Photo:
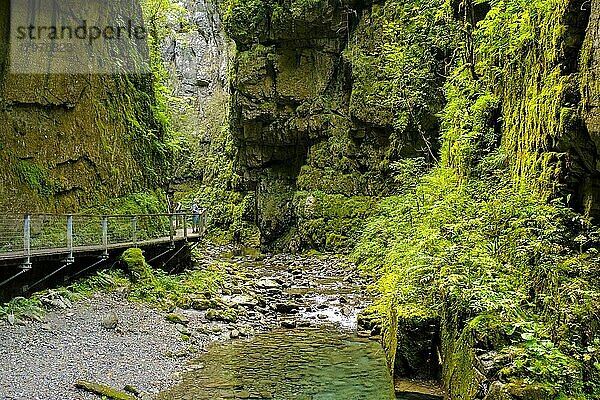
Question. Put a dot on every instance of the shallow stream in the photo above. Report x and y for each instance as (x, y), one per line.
(321, 363)
(321, 359)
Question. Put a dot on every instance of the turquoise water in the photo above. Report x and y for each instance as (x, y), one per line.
(301, 364)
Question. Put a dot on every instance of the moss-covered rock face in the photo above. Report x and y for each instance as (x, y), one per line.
(527, 85)
(69, 141)
(331, 222)
(304, 106)
(590, 89)
(73, 140)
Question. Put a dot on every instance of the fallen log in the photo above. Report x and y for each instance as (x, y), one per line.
(103, 390)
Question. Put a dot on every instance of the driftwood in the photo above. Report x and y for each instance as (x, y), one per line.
(103, 390)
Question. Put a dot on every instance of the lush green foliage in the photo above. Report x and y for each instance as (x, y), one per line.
(399, 65)
(520, 271)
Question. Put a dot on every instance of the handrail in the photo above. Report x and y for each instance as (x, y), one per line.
(24, 236)
(15, 215)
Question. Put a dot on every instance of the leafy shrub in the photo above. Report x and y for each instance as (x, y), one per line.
(481, 248)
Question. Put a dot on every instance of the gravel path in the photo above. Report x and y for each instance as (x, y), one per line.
(42, 361)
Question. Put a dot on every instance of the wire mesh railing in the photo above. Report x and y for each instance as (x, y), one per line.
(11, 234)
(35, 234)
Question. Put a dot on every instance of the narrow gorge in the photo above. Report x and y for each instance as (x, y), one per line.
(445, 152)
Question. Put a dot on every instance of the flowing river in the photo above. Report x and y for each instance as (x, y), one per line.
(318, 356)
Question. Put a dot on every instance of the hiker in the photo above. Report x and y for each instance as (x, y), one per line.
(195, 216)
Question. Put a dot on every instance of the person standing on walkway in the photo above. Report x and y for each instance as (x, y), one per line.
(195, 216)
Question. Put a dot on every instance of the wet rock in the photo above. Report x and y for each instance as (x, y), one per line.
(293, 377)
(244, 300)
(234, 334)
(368, 319)
(288, 323)
(246, 331)
(244, 394)
(286, 308)
(228, 315)
(274, 292)
(265, 283)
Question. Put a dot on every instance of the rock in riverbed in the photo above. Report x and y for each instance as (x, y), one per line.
(110, 321)
(177, 319)
(266, 283)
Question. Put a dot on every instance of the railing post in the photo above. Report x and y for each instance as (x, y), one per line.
(185, 233)
(134, 230)
(105, 236)
(27, 241)
(70, 259)
(172, 229)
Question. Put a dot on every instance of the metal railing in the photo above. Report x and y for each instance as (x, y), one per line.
(40, 234)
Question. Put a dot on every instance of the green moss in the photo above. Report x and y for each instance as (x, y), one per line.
(103, 390)
(36, 178)
(514, 81)
(136, 265)
(167, 291)
(330, 222)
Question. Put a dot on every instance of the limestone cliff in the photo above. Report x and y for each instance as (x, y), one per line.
(73, 140)
(313, 138)
(194, 53)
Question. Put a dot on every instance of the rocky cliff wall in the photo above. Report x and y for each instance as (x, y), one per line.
(315, 129)
(590, 93)
(69, 141)
(195, 56)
